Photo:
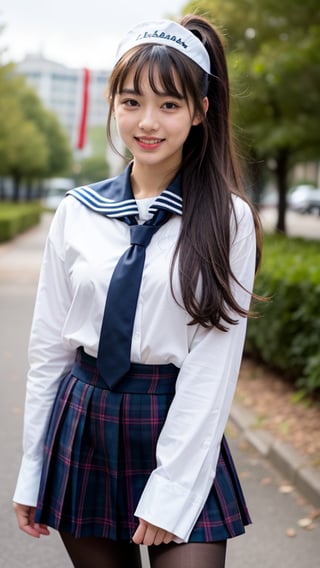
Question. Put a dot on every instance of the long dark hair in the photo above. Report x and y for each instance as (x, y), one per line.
(210, 173)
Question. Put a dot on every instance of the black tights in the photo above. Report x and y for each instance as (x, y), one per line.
(94, 552)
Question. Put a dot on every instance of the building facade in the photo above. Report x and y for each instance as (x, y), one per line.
(77, 96)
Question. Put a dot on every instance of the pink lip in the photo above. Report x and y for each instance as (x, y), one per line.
(148, 143)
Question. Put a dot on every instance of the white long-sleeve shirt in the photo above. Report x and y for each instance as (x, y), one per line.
(82, 250)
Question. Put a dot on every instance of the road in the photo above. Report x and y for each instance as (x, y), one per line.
(275, 508)
(297, 225)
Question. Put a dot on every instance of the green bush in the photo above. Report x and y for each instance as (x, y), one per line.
(286, 334)
(17, 217)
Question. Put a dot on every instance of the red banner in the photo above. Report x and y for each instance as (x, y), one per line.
(84, 110)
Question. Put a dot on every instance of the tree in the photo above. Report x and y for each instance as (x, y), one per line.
(59, 151)
(33, 144)
(91, 169)
(23, 148)
(274, 62)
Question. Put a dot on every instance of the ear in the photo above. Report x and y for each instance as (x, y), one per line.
(198, 118)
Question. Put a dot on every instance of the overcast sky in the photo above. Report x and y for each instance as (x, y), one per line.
(78, 34)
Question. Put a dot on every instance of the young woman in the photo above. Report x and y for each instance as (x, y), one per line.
(140, 321)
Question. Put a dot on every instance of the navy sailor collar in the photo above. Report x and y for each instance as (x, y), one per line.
(114, 197)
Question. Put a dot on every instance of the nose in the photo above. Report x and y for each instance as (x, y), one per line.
(148, 120)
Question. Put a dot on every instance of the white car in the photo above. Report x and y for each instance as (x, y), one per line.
(304, 199)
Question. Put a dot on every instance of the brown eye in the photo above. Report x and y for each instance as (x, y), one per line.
(170, 105)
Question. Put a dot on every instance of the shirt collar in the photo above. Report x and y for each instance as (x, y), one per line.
(114, 197)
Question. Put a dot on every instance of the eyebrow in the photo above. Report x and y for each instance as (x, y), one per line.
(128, 91)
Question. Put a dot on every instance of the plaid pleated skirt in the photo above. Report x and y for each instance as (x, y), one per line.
(100, 450)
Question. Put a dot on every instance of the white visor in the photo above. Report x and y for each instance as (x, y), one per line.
(166, 32)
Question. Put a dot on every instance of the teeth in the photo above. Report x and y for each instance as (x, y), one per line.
(154, 141)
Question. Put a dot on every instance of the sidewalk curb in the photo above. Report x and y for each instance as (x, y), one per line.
(283, 456)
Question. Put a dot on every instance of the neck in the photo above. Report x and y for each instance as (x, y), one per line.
(148, 182)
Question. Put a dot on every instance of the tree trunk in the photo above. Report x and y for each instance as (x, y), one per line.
(28, 190)
(1, 188)
(16, 187)
(281, 173)
(39, 189)
(257, 168)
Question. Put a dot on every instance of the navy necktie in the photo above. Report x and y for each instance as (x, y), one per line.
(113, 359)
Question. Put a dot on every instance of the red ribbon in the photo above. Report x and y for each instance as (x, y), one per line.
(84, 110)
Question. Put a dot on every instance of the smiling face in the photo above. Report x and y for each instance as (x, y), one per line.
(152, 122)
(157, 95)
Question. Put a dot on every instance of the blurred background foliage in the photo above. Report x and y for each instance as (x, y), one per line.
(33, 144)
(274, 61)
(286, 333)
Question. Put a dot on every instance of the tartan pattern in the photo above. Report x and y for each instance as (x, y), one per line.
(100, 450)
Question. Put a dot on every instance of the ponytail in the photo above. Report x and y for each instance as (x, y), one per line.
(210, 176)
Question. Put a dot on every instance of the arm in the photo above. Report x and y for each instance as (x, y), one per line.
(189, 444)
(49, 361)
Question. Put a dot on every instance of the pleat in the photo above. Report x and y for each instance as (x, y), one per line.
(225, 513)
(235, 483)
(61, 474)
(100, 451)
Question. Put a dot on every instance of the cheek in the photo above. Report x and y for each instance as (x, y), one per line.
(123, 125)
(183, 128)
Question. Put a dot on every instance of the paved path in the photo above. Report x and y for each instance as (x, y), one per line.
(266, 544)
(307, 226)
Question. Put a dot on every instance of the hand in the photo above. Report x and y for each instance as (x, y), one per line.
(25, 517)
(149, 534)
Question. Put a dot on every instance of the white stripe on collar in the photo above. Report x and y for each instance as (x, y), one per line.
(111, 208)
(93, 200)
(167, 200)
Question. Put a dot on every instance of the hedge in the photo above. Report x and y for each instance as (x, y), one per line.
(286, 333)
(17, 217)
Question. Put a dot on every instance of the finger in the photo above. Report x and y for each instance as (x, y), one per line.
(169, 537)
(24, 524)
(159, 537)
(39, 527)
(139, 534)
(42, 529)
(150, 535)
(30, 531)
(25, 517)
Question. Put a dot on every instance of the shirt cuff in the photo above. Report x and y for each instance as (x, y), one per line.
(27, 488)
(168, 505)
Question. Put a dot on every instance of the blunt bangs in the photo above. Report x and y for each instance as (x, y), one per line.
(169, 72)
